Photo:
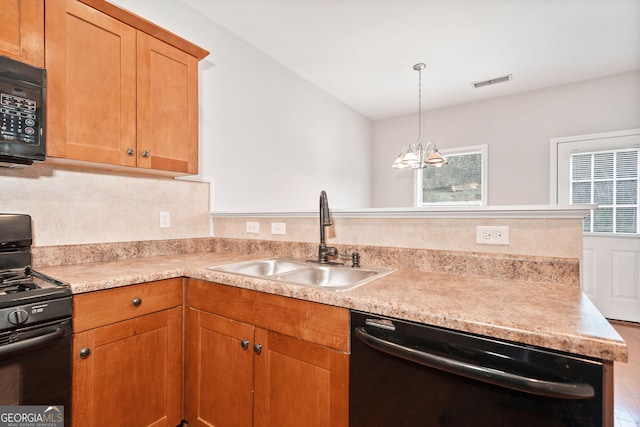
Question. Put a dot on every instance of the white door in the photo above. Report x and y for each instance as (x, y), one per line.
(603, 169)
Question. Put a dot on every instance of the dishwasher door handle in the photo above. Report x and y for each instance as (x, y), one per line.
(31, 343)
(489, 375)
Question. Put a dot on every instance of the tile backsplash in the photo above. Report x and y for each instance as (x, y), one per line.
(77, 207)
(541, 236)
(81, 216)
(550, 270)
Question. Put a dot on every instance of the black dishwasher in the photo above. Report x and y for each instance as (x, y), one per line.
(409, 374)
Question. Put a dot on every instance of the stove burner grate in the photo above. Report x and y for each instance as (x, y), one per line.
(12, 281)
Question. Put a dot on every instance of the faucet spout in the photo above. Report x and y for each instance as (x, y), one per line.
(325, 215)
(324, 251)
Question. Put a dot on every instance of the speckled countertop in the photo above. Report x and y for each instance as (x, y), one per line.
(546, 315)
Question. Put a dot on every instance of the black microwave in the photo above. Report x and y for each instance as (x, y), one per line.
(22, 113)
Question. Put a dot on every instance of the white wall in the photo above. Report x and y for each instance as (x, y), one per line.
(517, 129)
(269, 139)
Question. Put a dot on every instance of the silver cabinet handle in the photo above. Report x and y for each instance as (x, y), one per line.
(85, 352)
(145, 153)
(130, 152)
(244, 344)
(136, 302)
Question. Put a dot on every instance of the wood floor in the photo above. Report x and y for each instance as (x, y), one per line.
(627, 378)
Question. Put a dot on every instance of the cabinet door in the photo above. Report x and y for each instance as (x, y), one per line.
(132, 376)
(167, 107)
(22, 31)
(218, 371)
(91, 79)
(298, 383)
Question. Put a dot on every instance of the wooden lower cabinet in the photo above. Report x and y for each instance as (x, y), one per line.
(242, 370)
(298, 383)
(218, 371)
(127, 368)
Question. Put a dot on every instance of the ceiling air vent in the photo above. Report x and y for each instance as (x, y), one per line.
(492, 81)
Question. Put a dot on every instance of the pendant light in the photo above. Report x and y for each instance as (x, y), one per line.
(415, 155)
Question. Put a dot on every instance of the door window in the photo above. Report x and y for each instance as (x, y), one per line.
(610, 180)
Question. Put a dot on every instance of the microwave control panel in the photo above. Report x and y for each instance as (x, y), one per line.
(19, 118)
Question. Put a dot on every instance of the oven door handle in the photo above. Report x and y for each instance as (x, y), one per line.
(31, 343)
(494, 376)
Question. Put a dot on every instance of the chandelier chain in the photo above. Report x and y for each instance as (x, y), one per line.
(420, 104)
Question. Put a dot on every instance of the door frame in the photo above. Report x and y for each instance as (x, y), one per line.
(597, 275)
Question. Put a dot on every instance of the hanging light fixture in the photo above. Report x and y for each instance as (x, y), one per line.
(415, 155)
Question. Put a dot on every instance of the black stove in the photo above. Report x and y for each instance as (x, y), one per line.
(35, 328)
(34, 296)
(24, 285)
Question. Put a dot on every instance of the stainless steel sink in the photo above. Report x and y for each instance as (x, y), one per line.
(340, 278)
(262, 267)
(306, 273)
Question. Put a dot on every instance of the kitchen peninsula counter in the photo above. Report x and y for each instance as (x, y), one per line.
(547, 315)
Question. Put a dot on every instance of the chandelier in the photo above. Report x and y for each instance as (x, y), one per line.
(416, 155)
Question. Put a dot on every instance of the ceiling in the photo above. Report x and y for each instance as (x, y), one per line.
(362, 52)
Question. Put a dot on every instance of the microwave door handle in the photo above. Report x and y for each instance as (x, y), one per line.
(31, 343)
(489, 375)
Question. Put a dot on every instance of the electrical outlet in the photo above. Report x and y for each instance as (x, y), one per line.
(253, 227)
(278, 228)
(492, 234)
(165, 220)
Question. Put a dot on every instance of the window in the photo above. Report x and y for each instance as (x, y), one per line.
(462, 182)
(609, 179)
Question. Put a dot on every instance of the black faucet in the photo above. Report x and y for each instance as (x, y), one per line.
(324, 251)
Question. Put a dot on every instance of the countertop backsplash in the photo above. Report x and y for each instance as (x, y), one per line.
(535, 269)
(102, 252)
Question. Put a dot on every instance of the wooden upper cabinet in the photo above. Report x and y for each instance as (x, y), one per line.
(91, 75)
(116, 95)
(22, 31)
(167, 107)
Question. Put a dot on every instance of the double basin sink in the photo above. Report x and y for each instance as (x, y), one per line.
(306, 273)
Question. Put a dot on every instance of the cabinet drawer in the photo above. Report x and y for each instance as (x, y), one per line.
(95, 309)
(317, 323)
